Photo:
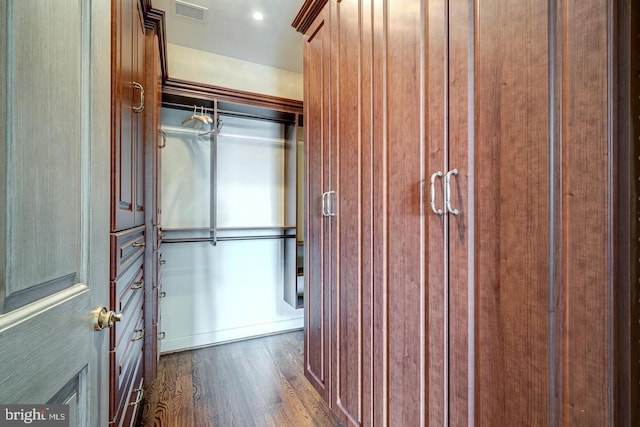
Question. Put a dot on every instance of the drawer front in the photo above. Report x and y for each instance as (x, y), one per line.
(125, 288)
(126, 247)
(126, 363)
(124, 408)
(130, 305)
(135, 402)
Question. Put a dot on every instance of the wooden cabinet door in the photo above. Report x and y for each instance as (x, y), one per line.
(352, 243)
(529, 293)
(317, 225)
(127, 185)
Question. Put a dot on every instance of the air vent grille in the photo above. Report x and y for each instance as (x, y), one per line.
(189, 10)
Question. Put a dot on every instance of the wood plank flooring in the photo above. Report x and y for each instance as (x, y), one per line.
(258, 382)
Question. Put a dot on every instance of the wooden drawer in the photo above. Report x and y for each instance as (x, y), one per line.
(130, 283)
(126, 363)
(127, 298)
(134, 404)
(124, 408)
(126, 247)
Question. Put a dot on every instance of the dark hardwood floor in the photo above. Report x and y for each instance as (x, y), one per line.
(258, 382)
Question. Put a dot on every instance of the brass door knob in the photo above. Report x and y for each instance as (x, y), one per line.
(103, 318)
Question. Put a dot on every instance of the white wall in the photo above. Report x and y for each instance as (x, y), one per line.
(204, 67)
(234, 290)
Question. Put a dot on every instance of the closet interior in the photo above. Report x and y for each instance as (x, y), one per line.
(229, 203)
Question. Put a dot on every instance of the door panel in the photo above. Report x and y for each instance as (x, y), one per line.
(351, 291)
(587, 193)
(436, 133)
(317, 294)
(403, 175)
(55, 107)
(508, 289)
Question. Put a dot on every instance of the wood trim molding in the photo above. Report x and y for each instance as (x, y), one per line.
(154, 20)
(201, 91)
(307, 14)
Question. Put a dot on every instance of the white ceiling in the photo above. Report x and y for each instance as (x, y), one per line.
(228, 29)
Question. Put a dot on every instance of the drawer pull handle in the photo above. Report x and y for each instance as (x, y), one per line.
(162, 262)
(162, 294)
(140, 107)
(164, 139)
(161, 335)
(138, 244)
(139, 395)
(139, 336)
(138, 284)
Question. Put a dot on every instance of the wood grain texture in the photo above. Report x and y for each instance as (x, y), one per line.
(404, 174)
(587, 195)
(316, 257)
(627, 395)
(348, 307)
(379, 227)
(152, 141)
(511, 271)
(435, 93)
(256, 382)
(367, 218)
(461, 230)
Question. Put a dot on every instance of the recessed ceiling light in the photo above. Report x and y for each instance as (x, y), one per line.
(258, 16)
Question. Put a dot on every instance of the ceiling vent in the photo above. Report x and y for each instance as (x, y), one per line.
(192, 11)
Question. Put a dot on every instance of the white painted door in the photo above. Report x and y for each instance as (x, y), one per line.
(54, 199)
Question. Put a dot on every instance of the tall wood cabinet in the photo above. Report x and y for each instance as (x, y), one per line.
(136, 91)
(460, 188)
(128, 237)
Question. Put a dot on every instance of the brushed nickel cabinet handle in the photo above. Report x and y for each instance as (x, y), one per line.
(432, 193)
(140, 107)
(162, 294)
(164, 139)
(447, 192)
(139, 395)
(137, 285)
(162, 262)
(324, 204)
(161, 335)
(330, 211)
(138, 244)
(139, 336)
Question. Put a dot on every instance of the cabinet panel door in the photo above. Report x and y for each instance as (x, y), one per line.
(123, 151)
(401, 281)
(352, 285)
(317, 254)
(127, 157)
(138, 131)
(499, 283)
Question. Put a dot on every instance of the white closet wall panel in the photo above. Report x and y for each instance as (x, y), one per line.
(234, 289)
(224, 292)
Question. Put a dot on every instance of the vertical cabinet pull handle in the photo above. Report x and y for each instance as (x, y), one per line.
(447, 191)
(139, 334)
(432, 193)
(139, 395)
(164, 139)
(140, 107)
(330, 211)
(324, 204)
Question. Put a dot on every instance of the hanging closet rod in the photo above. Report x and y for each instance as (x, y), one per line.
(225, 112)
(228, 238)
(184, 130)
(275, 227)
